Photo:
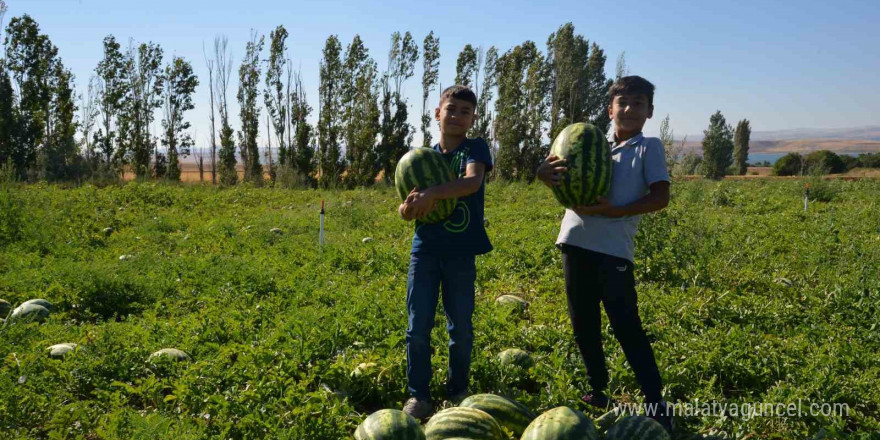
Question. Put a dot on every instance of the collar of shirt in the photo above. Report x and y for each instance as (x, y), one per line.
(631, 141)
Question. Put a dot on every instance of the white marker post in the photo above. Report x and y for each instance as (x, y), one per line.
(321, 233)
(806, 196)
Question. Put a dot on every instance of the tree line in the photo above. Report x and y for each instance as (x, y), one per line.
(49, 132)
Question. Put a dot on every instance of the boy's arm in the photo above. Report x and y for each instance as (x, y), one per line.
(423, 201)
(655, 200)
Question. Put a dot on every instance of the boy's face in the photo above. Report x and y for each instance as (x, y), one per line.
(455, 116)
(629, 112)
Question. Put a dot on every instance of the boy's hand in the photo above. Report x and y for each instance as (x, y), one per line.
(604, 208)
(550, 171)
(421, 203)
(405, 211)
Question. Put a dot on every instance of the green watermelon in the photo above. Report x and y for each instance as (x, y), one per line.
(561, 423)
(58, 351)
(423, 168)
(637, 428)
(39, 302)
(515, 356)
(518, 304)
(606, 420)
(463, 422)
(389, 424)
(508, 413)
(29, 312)
(589, 165)
(173, 353)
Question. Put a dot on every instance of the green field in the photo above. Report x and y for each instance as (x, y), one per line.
(747, 298)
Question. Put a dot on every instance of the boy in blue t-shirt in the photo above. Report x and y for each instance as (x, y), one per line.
(444, 254)
(597, 244)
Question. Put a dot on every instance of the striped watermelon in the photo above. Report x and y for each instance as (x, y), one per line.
(589, 165)
(389, 424)
(561, 423)
(423, 168)
(465, 423)
(637, 428)
(516, 357)
(508, 413)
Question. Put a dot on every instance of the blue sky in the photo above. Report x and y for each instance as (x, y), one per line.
(781, 64)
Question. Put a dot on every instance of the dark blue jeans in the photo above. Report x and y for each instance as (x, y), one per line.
(456, 275)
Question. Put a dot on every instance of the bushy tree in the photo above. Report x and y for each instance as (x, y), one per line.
(717, 147)
(789, 165)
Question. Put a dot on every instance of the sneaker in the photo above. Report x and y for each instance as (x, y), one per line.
(598, 399)
(419, 409)
(662, 416)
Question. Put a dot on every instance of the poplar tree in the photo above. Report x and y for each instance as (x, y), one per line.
(249, 110)
(227, 169)
(430, 76)
(330, 164)
(466, 66)
(180, 84)
(274, 95)
(396, 133)
(741, 146)
(579, 86)
(360, 113)
(113, 91)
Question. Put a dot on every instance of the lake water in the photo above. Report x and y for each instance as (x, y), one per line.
(773, 157)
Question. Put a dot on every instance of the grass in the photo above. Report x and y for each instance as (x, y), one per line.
(747, 298)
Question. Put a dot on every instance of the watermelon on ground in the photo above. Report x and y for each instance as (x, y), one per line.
(589, 165)
(516, 357)
(173, 353)
(29, 312)
(508, 413)
(389, 424)
(637, 428)
(561, 423)
(58, 351)
(423, 168)
(39, 302)
(465, 423)
(512, 301)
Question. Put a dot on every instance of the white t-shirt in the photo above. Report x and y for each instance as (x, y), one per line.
(636, 164)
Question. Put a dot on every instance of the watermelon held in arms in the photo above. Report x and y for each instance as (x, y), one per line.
(423, 168)
(388, 424)
(589, 165)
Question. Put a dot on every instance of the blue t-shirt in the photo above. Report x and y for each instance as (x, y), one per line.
(462, 233)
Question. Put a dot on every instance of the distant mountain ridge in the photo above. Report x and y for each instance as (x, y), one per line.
(850, 140)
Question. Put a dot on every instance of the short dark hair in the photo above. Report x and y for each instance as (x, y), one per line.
(632, 85)
(463, 93)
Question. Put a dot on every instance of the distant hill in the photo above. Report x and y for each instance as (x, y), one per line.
(841, 140)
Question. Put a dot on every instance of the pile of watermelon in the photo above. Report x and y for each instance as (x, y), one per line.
(493, 417)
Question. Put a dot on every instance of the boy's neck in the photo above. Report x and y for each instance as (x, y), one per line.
(622, 135)
(450, 142)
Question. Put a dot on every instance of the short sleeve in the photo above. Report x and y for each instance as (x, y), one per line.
(479, 152)
(655, 162)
